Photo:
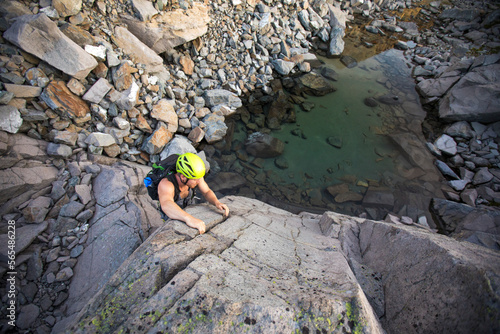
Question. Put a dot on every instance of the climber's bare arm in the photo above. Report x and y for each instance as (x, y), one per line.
(166, 192)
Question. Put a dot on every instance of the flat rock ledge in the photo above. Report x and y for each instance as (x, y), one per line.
(265, 270)
(261, 270)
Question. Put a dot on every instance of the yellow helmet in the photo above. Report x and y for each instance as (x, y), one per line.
(190, 165)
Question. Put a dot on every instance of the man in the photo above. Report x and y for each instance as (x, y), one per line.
(190, 170)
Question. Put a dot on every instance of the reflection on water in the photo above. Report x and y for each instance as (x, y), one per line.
(345, 143)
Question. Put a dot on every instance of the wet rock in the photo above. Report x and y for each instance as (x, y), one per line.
(281, 163)
(348, 61)
(172, 28)
(379, 197)
(370, 102)
(262, 145)
(335, 141)
(314, 84)
(37, 34)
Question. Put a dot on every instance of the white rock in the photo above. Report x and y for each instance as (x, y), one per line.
(446, 144)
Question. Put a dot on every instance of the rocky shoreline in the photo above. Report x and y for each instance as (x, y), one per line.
(125, 102)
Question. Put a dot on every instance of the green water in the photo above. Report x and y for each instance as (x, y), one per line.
(366, 152)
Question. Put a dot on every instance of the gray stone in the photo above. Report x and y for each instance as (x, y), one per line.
(215, 129)
(37, 210)
(458, 185)
(249, 259)
(474, 98)
(99, 139)
(72, 209)
(64, 275)
(482, 176)
(446, 144)
(445, 170)
(83, 192)
(379, 198)
(109, 186)
(436, 87)
(460, 129)
(283, 67)
(38, 35)
(59, 150)
(10, 119)
(178, 145)
(98, 90)
(27, 317)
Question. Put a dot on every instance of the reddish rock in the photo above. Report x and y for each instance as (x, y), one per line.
(58, 97)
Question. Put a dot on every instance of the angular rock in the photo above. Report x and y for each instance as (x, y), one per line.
(171, 28)
(25, 235)
(59, 98)
(446, 144)
(157, 141)
(262, 145)
(215, 129)
(229, 277)
(145, 9)
(38, 35)
(10, 119)
(99, 139)
(37, 210)
(476, 97)
(23, 91)
(97, 92)
(59, 150)
(165, 112)
(314, 84)
(283, 67)
(67, 7)
(436, 87)
(217, 97)
(137, 50)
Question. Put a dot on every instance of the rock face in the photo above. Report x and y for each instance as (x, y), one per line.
(409, 291)
(171, 29)
(263, 269)
(476, 97)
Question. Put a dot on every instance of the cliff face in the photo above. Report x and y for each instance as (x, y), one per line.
(264, 269)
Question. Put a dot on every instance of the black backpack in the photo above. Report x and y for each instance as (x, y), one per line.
(161, 170)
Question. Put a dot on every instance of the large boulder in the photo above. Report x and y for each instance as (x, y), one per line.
(476, 97)
(262, 145)
(172, 28)
(262, 270)
(314, 84)
(419, 281)
(40, 36)
(137, 50)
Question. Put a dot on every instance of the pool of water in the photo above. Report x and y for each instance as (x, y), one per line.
(342, 140)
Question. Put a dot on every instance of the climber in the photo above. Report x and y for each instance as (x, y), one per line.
(174, 186)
